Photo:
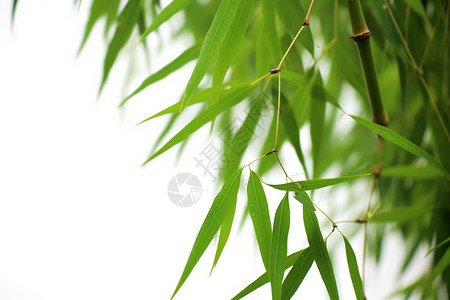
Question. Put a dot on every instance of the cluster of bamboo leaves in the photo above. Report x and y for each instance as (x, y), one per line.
(234, 42)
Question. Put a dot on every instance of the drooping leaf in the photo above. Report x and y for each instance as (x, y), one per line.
(296, 275)
(125, 25)
(320, 252)
(317, 122)
(401, 214)
(204, 117)
(210, 47)
(219, 209)
(411, 172)
(232, 41)
(168, 69)
(304, 199)
(259, 212)
(314, 184)
(203, 96)
(271, 39)
(439, 245)
(403, 143)
(264, 278)
(278, 247)
(225, 230)
(354, 271)
(168, 11)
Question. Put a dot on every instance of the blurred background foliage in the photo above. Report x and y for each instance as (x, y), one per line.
(410, 44)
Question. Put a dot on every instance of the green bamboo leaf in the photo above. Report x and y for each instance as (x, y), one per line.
(204, 117)
(296, 275)
(225, 230)
(438, 246)
(125, 25)
(232, 40)
(211, 45)
(203, 96)
(259, 212)
(13, 11)
(219, 209)
(443, 264)
(296, 78)
(417, 6)
(317, 122)
(292, 130)
(304, 199)
(320, 252)
(271, 41)
(278, 247)
(185, 57)
(353, 269)
(403, 143)
(167, 13)
(264, 278)
(315, 184)
(401, 214)
(98, 9)
(411, 171)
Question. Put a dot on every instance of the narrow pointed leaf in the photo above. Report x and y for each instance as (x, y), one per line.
(296, 275)
(317, 123)
(354, 271)
(219, 209)
(320, 252)
(232, 41)
(304, 199)
(401, 214)
(439, 245)
(403, 143)
(125, 25)
(204, 117)
(13, 11)
(211, 45)
(315, 184)
(203, 96)
(259, 212)
(168, 69)
(443, 264)
(225, 231)
(264, 278)
(170, 10)
(278, 247)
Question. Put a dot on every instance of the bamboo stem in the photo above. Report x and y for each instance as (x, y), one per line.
(361, 36)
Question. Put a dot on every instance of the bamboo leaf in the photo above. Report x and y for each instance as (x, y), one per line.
(304, 199)
(125, 25)
(211, 45)
(203, 96)
(319, 249)
(411, 171)
(401, 214)
(439, 245)
(225, 231)
(167, 13)
(264, 278)
(278, 247)
(259, 212)
(353, 269)
(314, 184)
(204, 117)
(13, 11)
(317, 122)
(443, 264)
(168, 69)
(403, 143)
(417, 6)
(296, 275)
(219, 209)
(232, 40)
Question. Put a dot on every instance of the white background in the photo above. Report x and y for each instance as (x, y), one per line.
(79, 217)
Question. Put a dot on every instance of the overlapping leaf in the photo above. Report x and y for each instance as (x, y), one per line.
(354, 271)
(220, 207)
(296, 275)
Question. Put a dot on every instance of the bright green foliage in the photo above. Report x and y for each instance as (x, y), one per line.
(325, 95)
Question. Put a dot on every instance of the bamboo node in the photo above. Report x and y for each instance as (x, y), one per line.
(275, 71)
(360, 36)
(305, 22)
